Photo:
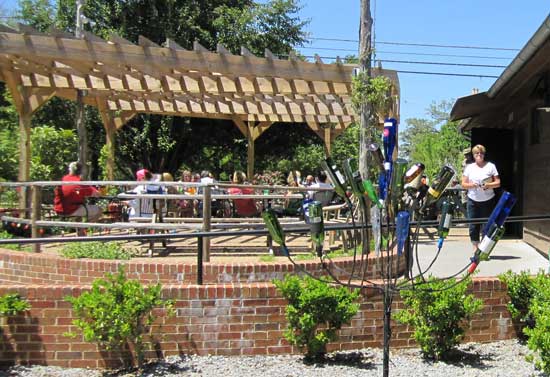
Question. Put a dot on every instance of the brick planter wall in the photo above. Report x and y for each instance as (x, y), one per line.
(218, 319)
(30, 268)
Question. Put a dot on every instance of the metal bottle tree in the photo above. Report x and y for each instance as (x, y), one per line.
(392, 205)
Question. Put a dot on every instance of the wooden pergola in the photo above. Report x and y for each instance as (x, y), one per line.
(122, 79)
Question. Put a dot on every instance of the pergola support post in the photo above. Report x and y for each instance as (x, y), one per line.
(26, 101)
(252, 131)
(327, 140)
(250, 153)
(111, 124)
(24, 158)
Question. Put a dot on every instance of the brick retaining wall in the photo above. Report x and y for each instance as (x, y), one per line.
(218, 319)
(30, 268)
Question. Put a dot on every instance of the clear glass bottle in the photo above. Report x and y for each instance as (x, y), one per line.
(413, 172)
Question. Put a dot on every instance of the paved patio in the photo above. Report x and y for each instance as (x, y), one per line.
(514, 255)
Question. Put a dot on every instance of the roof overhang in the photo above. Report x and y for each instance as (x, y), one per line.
(515, 86)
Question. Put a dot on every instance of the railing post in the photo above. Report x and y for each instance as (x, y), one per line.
(199, 260)
(36, 194)
(206, 219)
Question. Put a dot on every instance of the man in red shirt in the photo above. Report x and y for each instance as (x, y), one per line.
(69, 199)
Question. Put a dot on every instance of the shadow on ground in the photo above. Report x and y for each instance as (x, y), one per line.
(467, 358)
(356, 359)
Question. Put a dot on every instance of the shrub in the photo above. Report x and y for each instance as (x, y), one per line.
(520, 290)
(539, 334)
(315, 312)
(12, 304)
(6, 235)
(117, 312)
(437, 310)
(97, 250)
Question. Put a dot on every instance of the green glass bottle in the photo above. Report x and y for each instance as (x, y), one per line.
(275, 229)
(317, 226)
(445, 220)
(337, 179)
(396, 188)
(371, 193)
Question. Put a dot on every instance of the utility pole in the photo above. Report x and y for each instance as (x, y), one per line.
(79, 114)
(366, 133)
(365, 49)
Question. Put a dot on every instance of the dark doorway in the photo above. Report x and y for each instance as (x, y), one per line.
(503, 149)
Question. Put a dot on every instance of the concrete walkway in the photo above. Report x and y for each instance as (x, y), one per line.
(512, 255)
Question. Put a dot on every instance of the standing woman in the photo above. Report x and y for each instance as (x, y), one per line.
(480, 178)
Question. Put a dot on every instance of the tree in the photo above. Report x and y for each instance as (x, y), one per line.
(435, 141)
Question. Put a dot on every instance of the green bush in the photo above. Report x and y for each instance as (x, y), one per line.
(315, 312)
(539, 334)
(520, 290)
(12, 304)
(437, 311)
(117, 312)
(97, 250)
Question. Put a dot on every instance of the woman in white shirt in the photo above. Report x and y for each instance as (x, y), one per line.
(480, 178)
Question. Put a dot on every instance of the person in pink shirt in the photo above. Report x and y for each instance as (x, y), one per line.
(243, 207)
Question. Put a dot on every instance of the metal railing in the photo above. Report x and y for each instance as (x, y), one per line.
(31, 215)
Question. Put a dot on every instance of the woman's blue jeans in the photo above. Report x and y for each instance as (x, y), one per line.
(478, 210)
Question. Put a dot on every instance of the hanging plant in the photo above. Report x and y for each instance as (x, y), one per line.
(375, 91)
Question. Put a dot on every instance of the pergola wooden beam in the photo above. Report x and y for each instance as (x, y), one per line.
(114, 53)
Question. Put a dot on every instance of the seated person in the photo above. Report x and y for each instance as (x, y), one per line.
(144, 207)
(325, 197)
(243, 207)
(186, 207)
(170, 206)
(291, 206)
(69, 199)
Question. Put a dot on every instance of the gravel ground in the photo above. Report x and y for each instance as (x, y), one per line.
(503, 359)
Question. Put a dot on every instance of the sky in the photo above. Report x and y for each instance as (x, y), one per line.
(504, 24)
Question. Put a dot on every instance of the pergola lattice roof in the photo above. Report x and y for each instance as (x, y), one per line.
(124, 77)
(121, 79)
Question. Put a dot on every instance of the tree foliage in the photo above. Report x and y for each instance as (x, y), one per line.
(435, 141)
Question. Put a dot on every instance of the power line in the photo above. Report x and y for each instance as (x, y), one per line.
(448, 74)
(439, 63)
(410, 53)
(418, 72)
(418, 44)
(415, 62)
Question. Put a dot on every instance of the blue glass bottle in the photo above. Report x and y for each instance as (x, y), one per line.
(402, 230)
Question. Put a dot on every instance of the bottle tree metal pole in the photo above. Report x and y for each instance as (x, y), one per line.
(199, 260)
(36, 198)
(206, 220)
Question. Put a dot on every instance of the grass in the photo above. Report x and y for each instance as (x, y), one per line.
(97, 250)
(6, 235)
(267, 258)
